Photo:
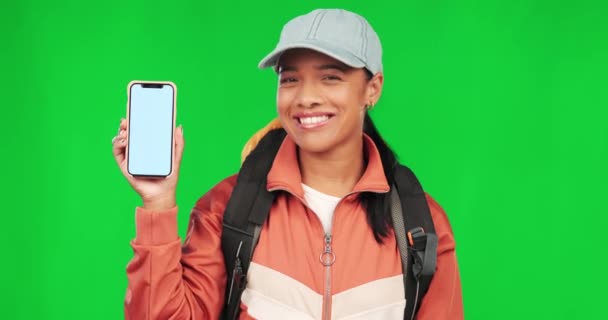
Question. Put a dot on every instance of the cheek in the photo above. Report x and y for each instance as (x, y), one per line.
(348, 101)
(283, 106)
(353, 111)
(349, 95)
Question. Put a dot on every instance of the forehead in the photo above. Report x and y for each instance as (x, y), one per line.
(307, 57)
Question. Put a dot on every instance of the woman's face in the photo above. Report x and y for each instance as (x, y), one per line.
(321, 101)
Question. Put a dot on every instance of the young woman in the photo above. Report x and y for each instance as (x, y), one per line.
(329, 167)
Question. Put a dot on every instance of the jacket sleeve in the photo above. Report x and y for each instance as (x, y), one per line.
(168, 280)
(444, 297)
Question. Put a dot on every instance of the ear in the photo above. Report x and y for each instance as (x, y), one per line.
(374, 89)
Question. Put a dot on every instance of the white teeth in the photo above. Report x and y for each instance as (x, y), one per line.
(314, 120)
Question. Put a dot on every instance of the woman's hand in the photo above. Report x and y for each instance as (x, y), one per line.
(156, 193)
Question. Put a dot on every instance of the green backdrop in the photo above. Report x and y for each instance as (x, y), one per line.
(498, 106)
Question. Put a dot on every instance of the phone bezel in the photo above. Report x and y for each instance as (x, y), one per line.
(174, 111)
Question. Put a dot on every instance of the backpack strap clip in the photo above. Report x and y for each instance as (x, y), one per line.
(238, 279)
(423, 247)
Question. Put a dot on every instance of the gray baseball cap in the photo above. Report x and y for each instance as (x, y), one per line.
(340, 34)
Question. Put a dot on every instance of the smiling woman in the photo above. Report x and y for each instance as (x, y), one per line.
(322, 102)
(331, 242)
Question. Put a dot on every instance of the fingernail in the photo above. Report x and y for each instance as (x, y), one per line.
(181, 128)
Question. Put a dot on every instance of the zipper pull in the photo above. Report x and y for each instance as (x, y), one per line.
(327, 258)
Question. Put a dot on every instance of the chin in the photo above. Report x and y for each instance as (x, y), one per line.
(314, 143)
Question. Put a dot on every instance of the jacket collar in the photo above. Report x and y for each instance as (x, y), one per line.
(285, 172)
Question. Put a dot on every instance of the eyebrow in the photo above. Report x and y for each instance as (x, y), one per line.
(333, 66)
(282, 69)
(329, 66)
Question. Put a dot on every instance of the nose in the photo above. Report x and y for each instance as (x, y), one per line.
(308, 95)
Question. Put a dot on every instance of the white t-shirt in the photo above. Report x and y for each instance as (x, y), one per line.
(323, 205)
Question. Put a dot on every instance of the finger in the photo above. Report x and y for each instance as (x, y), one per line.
(179, 144)
(123, 124)
(119, 144)
(122, 134)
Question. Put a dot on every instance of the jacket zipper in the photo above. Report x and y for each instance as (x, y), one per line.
(328, 257)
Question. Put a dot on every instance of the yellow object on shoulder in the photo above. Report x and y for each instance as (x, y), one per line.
(253, 141)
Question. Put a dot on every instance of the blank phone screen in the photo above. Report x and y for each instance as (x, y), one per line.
(150, 140)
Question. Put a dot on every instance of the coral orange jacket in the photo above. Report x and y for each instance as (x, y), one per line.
(286, 279)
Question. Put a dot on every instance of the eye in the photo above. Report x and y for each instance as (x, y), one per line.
(331, 77)
(286, 80)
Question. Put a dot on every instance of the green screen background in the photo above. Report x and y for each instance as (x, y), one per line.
(498, 106)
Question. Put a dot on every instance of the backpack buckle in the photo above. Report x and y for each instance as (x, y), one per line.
(417, 238)
(423, 248)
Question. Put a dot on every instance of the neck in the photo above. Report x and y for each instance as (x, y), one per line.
(335, 172)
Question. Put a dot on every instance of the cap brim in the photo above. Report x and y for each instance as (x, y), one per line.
(337, 53)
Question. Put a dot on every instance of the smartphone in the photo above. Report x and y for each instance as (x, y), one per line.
(150, 128)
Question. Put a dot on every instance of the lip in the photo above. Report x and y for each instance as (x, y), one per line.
(296, 117)
(313, 114)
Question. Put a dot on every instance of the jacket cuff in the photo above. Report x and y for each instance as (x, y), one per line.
(155, 227)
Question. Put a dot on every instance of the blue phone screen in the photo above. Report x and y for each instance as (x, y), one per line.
(150, 140)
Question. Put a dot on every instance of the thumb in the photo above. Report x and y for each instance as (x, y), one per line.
(179, 144)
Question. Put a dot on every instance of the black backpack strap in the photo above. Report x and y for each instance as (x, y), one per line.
(412, 220)
(399, 227)
(245, 213)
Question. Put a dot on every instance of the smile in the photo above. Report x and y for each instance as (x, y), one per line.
(312, 121)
